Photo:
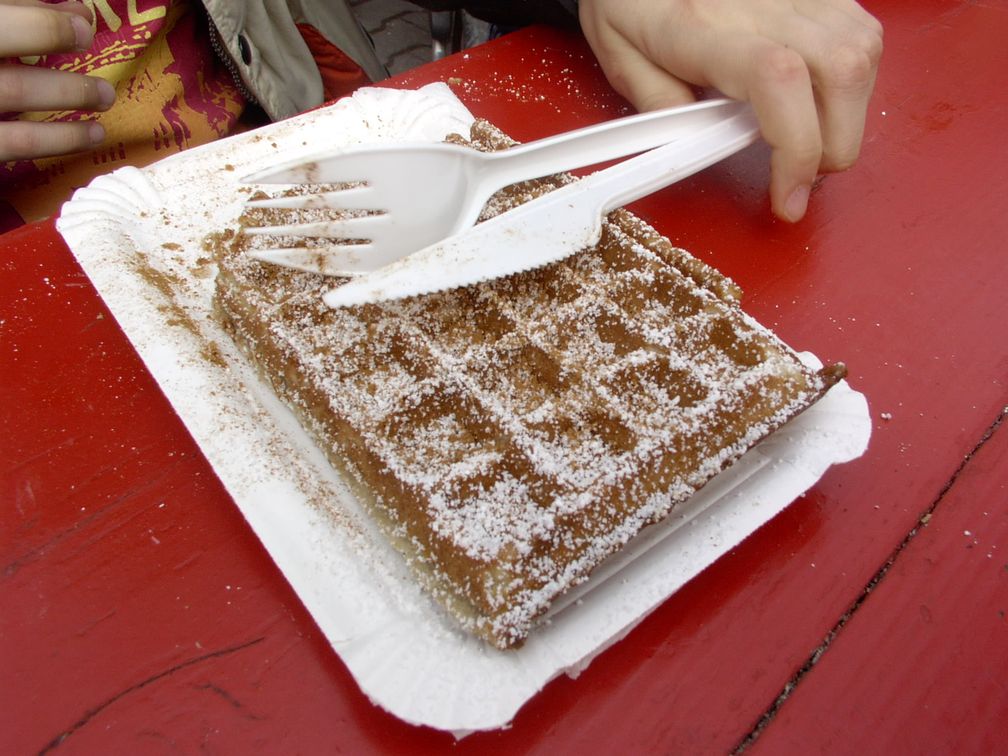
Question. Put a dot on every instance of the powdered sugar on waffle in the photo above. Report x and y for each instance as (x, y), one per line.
(407, 656)
(539, 422)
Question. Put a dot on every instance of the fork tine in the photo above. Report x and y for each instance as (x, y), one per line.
(340, 260)
(358, 227)
(359, 197)
(336, 167)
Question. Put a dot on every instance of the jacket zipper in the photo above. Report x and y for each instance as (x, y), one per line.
(221, 51)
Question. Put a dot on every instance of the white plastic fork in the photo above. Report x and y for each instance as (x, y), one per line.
(548, 228)
(430, 191)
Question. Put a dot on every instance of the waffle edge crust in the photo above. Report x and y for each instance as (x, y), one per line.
(512, 435)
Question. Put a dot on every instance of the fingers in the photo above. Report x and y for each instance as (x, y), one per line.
(26, 88)
(645, 84)
(68, 6)
(22, 140)
(776, 81)
(807, 67)
(33, 28)
(842, 52)
(809, 79)
(37, 29)
(779, 88)
(854, 11)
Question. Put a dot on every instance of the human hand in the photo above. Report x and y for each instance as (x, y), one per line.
(807, 67)
(30, 27)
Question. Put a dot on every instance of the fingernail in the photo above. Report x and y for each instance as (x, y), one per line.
(82, 32)
(96, 133)
(106, 93)
(797, 203)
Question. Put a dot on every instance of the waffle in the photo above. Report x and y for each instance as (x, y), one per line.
(510, 436)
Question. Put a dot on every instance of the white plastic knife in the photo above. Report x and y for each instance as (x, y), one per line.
(550, 227)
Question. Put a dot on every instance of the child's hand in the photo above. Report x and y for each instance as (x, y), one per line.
(807, 66)
(29, 27)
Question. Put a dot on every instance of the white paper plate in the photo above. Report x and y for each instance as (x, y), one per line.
(138, 235)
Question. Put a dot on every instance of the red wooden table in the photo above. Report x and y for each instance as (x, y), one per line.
(138, 613)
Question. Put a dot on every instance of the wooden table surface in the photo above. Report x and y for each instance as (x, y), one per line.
(138, 613)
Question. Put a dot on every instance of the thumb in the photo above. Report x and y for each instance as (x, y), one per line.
(646, 85)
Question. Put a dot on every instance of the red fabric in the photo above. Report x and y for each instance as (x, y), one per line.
(340, 75)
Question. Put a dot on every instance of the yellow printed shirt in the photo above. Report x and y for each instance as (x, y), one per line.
(172, 93)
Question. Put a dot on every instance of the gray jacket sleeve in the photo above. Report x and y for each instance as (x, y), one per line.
(270, 57)
(261, 42)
